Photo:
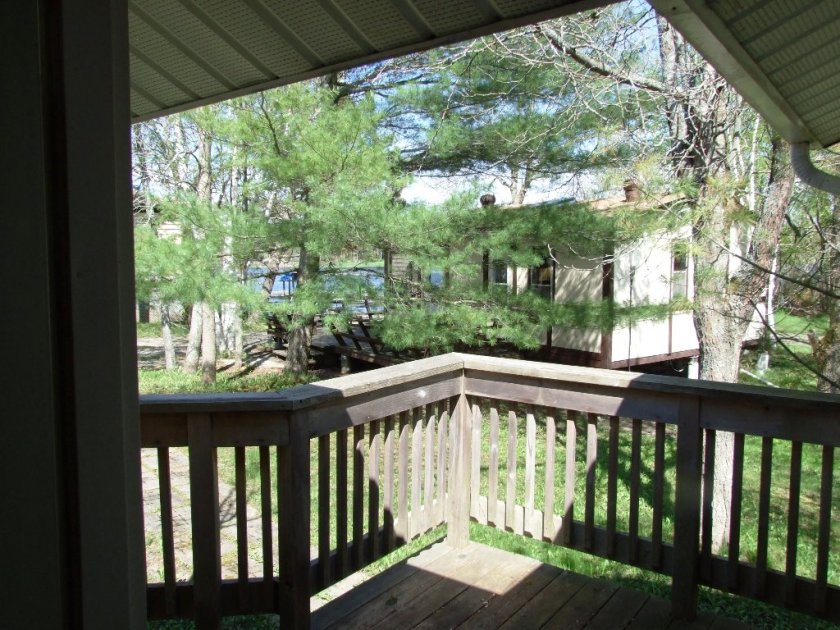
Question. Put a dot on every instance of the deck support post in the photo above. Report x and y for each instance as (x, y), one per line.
(204, 513)
(687, 510)
(293, 493)
(458, 512)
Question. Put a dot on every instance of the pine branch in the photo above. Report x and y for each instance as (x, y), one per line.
(590, 63)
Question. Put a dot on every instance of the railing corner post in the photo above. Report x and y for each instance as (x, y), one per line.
(458, 513)
(293, 492)
(687, 510)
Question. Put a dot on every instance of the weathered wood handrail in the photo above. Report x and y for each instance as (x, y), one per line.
(691, 414)
(381, 450)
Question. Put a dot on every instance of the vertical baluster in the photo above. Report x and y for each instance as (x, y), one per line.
(794, 488)
(204, 512)
(265, 519)
(241, 527)
(324, 573)
(452, 446)
(735, 510)
(493, 477)
(388, 485)
(567, 525)
(373, 490)
(167, 533)
(443, 419)
(612, 485)
(591, 469)
(416, 471)
(708, 496)
(548, 504)
(824, 533)
(429, 470)
(530, 469)
(510, 492)
(358, 496)
(403, 531)
(341, 512)
(658, 496)
(635, 475)
(763, 516)
(475, 477)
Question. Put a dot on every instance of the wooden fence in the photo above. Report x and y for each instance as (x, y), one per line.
(618, 465)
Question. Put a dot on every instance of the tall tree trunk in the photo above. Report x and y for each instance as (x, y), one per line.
(826, 349)
(237, 342)
(166, 333)
(143, 311)
(226, 325)
(298, 350)
(726, 303)
(194, 338)
(208, 344)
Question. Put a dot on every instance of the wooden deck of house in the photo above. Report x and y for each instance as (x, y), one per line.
(483, 587)
(616, 465)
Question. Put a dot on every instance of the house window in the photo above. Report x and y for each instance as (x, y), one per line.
(499, 273)
(679, 275)
(541, 279)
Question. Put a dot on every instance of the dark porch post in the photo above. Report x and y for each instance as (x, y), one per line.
(73, 543)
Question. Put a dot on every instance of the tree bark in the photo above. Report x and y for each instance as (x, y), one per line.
(226, 326)
(726, 303)
(298, 349)
(208, 344)
(826, 349)
(166, 333)
(194, 338)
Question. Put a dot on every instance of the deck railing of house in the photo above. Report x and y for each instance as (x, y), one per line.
(615, 464)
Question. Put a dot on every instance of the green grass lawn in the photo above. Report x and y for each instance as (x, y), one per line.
(180, 382)
(792, 366)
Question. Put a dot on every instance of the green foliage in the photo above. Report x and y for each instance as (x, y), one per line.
(484, 109)
(179, 382)
(152, 329)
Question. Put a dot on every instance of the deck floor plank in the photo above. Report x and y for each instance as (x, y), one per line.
(539, 610)
(478, 587)
(492, 585)
(501, 607)
(583, 605)
(349, 604)
(466, 568)
(619, 610)
(656, 613)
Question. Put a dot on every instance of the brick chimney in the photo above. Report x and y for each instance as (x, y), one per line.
(631, 190)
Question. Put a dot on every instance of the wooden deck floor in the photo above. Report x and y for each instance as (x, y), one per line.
(482, 587)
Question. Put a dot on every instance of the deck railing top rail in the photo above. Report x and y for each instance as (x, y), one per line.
(306, 396)
(333, 390)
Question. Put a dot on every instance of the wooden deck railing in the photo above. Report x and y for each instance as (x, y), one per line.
(618, 465)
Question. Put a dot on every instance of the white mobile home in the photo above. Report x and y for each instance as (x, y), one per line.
(646, 272)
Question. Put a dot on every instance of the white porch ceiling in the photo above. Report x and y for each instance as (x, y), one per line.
(782, 55)
(186, 53)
